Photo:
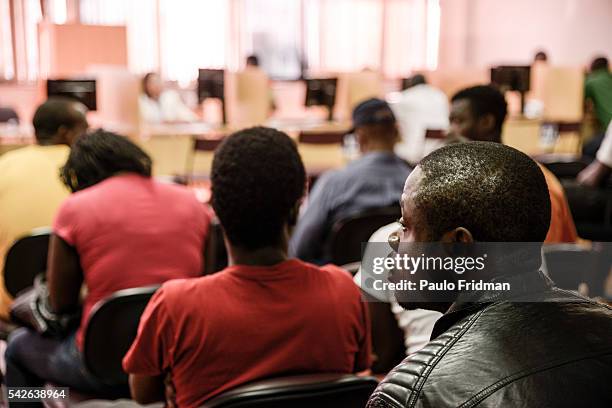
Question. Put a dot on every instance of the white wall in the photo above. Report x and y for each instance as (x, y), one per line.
(486, 32)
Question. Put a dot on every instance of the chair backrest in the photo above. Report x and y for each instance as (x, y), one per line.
(247, 96)
(388, 347)
(206, 145)
(347, 235)
(215, 254)
(111, 330)
(562, 165)
(591, 209)
(326, 138)
(317, 390)
(25, 259)
(563, 94)
(437, 134)
(570, 265)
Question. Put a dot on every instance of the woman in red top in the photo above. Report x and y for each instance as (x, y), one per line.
(120, 229)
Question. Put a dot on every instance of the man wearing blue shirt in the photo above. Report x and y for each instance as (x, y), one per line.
(374, 180)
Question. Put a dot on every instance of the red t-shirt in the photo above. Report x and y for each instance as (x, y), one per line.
(132, 231)
(247, 323)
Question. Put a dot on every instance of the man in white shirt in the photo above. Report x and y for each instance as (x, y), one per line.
(417, 324)
(599, 171)
(419, 108)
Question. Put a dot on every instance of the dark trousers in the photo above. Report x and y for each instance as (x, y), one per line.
(33, 360)
(590, 149)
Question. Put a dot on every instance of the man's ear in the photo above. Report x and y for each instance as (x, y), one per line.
(360, 137)
(62, 134)
(487, 122)
(459, 235)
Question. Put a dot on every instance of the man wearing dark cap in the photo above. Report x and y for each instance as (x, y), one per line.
(372, 181)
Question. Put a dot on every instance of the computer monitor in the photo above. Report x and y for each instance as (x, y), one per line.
(406, 83)
(511, 78)
(211, 84)
(321, 92)
(82, 90)
(414, 80)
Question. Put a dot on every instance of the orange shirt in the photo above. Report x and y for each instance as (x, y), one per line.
(562, 228)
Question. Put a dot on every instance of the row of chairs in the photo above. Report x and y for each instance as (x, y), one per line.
(202, 144)
(570, 266)
(120, 313)
(27, 257)
(209, 145)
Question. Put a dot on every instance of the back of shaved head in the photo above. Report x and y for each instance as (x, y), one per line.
(496, 192)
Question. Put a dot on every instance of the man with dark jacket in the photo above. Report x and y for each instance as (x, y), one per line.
(533, 345)
(374, 180)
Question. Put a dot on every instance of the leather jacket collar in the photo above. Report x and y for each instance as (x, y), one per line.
(522, 286)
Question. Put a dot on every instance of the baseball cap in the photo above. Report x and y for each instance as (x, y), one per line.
(372, 111)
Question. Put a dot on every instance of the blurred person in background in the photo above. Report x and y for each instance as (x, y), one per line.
(420, 107)
(158, 105)
(372, 181)
(540, 57)
(598, 96)
(31, 190)
(598, 172)
(252, 65)
(478, 114)
(119, 229)
(252, 61)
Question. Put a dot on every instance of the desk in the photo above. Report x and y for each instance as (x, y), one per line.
(171, 146)
(524, 135)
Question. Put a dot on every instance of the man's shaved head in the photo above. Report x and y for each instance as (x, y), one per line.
(494, 191)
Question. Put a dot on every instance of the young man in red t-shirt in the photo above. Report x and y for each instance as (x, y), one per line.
(263, 316)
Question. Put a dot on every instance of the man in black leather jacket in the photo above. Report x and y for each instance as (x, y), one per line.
(537, 345)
